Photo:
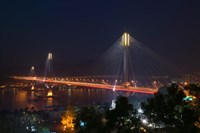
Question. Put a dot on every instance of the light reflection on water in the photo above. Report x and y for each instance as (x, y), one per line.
(49, 101)
(16, 98)
(11, 99)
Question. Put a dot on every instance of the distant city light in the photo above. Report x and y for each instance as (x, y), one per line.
(82, 124)
(189, 98)
(185, 83)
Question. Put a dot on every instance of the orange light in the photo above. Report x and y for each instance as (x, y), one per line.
(32, 88)
(68, 120)
(50, 93)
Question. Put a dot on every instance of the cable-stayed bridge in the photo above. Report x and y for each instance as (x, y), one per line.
(134, 68)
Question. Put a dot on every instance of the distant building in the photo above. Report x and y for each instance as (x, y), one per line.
(192, 78)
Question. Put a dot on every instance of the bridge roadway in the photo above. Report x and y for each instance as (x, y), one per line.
(92, 85)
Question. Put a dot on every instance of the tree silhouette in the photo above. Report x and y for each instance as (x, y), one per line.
(123, 118)
(171, 111)
(91, 117)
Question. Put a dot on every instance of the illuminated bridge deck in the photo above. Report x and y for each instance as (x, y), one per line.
(92, 85)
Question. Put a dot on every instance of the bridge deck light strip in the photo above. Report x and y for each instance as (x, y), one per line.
(92, 85)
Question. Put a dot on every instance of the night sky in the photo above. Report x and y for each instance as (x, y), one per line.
(79, 30)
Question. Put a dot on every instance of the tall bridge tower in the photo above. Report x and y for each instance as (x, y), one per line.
(126, 43)
(49, 63)
(48, 67)
(32, 71)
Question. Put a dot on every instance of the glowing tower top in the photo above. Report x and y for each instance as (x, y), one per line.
(125, 39)
(50, 56)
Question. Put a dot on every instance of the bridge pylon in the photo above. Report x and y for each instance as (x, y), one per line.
(48, 68)
(32, 72)
(126, 43)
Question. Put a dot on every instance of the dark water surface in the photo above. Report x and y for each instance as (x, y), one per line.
(15, 98)
(18, 94)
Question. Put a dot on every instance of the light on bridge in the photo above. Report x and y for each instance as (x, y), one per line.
(125, 39)
(50, 56)
(50, 93)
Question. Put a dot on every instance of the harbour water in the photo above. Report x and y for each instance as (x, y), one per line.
(17, 95)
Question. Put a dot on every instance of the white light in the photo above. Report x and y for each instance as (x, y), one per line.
(150, 125)
(47, 86)
(33, 128)
(50, 56)
(32, 68)
(114, 88)
(140, 110)
(144, 121)
(113, 105)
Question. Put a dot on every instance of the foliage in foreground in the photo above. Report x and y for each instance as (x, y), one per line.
(22, 121)
(173, 111)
